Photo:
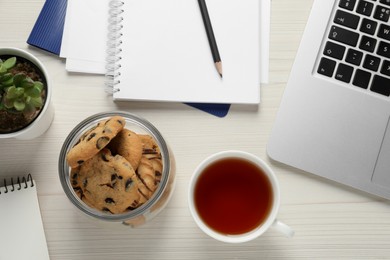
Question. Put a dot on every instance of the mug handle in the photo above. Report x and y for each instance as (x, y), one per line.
(283, 228)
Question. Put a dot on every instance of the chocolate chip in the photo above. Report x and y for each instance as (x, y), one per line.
(107, 130)
(104, 209)
(79, 192)
(114, 178)
(78, 141)
(104, 158)
(128, 184)
(133, 205)
(149, 151)
(79, 162)
(102, 142)
(75, 175)
(120, 122)
(91, 136)
(109, 201)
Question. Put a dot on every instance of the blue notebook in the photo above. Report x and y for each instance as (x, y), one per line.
(47, 31)
(219, 110)
(47, 35)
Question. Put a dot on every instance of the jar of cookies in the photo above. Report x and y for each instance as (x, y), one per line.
(117, 167)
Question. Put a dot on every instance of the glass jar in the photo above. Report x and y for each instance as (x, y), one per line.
(154, 204)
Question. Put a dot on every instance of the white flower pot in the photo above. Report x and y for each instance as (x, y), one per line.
(41, 123)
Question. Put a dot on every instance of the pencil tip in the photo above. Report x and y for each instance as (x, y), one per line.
(218, 65)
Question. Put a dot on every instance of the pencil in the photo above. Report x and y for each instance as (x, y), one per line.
(210, 36)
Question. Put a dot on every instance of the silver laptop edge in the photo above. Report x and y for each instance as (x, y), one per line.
(329, 128)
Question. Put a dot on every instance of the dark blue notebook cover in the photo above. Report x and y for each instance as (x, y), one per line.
(47, 31)
(219, 110)
(47, 35)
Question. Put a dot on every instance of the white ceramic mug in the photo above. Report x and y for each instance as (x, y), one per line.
(270, 221)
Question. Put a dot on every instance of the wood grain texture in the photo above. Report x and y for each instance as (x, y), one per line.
(331, 221)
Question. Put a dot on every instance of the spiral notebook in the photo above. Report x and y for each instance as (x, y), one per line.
(158, 51)
(22, 234)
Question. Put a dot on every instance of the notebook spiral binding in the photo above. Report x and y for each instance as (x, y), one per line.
(113, 46)
(20, 184)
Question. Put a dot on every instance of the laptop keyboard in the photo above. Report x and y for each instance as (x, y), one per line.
(357, 48)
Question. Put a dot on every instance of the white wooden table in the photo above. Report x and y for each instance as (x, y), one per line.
(331, 221)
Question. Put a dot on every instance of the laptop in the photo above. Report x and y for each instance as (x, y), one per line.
(334, 117)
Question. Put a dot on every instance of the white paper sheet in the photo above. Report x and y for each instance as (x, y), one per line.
(22, 233)
(85, 36)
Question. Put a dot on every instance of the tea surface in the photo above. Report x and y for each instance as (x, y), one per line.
(233, 196)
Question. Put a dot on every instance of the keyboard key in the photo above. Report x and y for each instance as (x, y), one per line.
(361, 78)
(348, 4)
(365, 8)
(382, 13)
(386, 2)
(381, 85)
(384, 49)
(368, 26)
(326, 67)
(334, 50)
(384, 32)
(371, 62)
(344, 73)
(354, 57)
(343, 35)
(385, 68)
(346, 19)
(367, 43)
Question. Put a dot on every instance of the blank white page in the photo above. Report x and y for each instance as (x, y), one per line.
(22, 235)
(166, 55)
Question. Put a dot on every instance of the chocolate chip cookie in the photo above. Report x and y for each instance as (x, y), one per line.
(107, 183)
(94, 140)
(129, 145)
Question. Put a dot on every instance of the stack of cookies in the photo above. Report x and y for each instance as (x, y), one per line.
(114, 169)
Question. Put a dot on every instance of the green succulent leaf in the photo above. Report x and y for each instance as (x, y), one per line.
(36, 102)
(5, 77)
(18, 79)
(3, 69)
(27, 83)
(9, 63)
(19, 92)
(29, 109)
(39, 85)
(8, 83)
(33, 92)
(11, 92)
(14, 92)
(8, 103)
(19, 105)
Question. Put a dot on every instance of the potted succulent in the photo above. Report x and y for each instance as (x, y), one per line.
(25, 95)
